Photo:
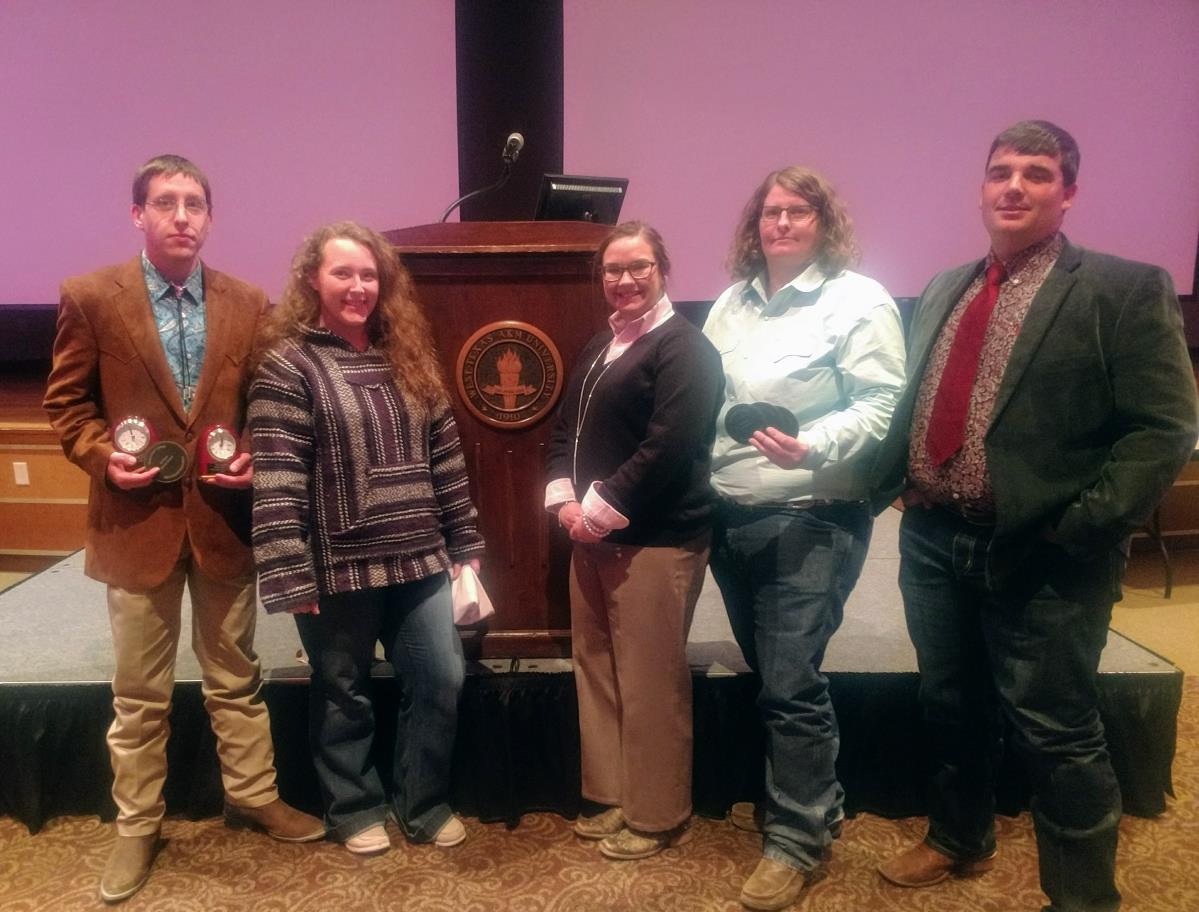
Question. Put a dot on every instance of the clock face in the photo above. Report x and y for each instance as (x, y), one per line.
(222, 445)
(131, 436)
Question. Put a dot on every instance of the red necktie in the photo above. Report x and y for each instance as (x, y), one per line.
(947, 424)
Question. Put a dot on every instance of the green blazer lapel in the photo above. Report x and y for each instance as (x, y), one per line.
(935, 308)
(218, 324)
(1041, 314)
(132, 303)
(932, 311)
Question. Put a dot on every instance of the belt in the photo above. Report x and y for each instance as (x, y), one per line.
(967, 514)
(733, 507)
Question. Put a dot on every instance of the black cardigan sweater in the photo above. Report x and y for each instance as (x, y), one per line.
(645, 425)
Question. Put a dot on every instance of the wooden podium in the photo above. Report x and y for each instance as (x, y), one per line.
(512, 304)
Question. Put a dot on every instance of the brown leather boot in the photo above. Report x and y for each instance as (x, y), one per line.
(923, 866)
(278, 820)
(128, 866)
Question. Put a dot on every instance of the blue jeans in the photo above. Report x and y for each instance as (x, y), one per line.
(1028, 653)
(785, 575)
(415, 624)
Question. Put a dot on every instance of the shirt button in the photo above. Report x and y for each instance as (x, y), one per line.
(189, 436)
(957, 496)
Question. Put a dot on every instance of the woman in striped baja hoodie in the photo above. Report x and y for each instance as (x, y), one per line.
(362, 515)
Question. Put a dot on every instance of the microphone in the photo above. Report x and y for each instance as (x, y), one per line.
(512, 147)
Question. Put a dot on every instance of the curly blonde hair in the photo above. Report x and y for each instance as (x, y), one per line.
(838, 248)
(397, 325)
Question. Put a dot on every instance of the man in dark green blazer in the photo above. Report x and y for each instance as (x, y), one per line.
(1050, 404)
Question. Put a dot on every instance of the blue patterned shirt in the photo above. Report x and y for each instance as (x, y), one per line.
(182, 328)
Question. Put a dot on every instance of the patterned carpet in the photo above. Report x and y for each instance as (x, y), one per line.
(541, 867)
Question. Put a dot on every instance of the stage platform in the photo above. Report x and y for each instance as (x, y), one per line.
(518, 746)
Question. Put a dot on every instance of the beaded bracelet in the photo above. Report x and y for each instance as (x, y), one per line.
(562, 507)
(597, 531)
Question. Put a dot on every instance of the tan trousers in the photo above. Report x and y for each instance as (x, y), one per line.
(145, 634)
(630, 611)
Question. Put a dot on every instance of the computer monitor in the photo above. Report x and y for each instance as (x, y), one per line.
(577, 198)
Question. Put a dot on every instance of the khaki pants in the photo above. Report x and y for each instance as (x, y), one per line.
(145, 633)
(630, 611)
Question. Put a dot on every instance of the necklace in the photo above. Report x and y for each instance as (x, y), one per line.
(188, 390)
(584, 405)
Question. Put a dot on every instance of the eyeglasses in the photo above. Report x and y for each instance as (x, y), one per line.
(638, 269)
(771, 214)
(194, 205)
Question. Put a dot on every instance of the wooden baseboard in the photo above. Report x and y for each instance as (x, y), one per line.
(28, 562)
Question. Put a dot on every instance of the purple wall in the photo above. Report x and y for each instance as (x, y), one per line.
(897, 103)
(300, 111)
(301, 115)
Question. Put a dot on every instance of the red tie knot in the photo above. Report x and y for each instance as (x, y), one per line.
(995, 274)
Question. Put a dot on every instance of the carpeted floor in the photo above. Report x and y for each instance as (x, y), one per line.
(541, 867)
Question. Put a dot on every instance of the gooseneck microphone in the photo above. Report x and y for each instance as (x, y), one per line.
(512, 146)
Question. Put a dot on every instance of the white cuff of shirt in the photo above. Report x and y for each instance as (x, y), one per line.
(816, 456)
(601, 513)
(558, 491)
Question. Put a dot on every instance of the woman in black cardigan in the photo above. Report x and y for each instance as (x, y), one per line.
(628, 469)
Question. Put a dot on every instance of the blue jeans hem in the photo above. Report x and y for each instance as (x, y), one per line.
(956, 854)
(427, 831)
(356, 823)
(776, 853)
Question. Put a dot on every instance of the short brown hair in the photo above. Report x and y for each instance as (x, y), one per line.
(168, 165)
(1040, 137)
(838, 249)
(633, 229)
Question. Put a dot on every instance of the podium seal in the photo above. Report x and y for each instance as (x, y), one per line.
(509, 374)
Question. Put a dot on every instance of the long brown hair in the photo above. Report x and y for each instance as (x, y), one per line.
(398, 324)
(838, 249)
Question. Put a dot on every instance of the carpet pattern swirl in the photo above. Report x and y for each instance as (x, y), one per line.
(541, 867)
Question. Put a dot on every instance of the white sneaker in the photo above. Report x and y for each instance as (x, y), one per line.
(371, 841)
(452, 833)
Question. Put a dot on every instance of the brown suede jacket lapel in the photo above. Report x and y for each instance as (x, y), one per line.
(131, 303)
